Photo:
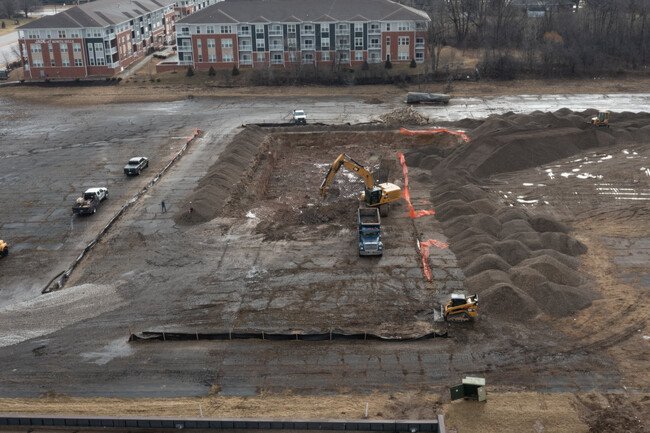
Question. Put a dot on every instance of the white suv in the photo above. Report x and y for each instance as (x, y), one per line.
(299, 116)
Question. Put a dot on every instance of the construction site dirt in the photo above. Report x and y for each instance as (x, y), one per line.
(546, 218)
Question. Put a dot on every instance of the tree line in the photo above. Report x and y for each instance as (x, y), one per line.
(542, 38)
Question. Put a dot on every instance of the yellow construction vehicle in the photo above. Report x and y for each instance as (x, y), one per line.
(601, 120)
(461, 308)
(4, 248)
(379, 195)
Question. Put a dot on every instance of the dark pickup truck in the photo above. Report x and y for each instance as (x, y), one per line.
(136, 165)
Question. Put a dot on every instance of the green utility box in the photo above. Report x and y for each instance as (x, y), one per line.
(472, 388)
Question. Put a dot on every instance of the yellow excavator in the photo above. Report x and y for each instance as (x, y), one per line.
(601, 120)
(4, 248)
(461, 308)
(379, 195)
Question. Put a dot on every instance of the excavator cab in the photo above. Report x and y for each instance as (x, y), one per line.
(601, 120)
(461, 308)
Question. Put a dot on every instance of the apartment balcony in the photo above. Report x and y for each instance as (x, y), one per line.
(245, 47)
(275, 32)
(374, 31)
(311, 47)
(184, 48)
(304, 32)
(278, 47)
(112, 36)
(113, 50)
(342, 46)
(374, 46)
(186, 34)
(277, 61)
(325, 48)
(186, 62)
(345, 31)
(115, 65)
(419, 46)
(244, 33)
(246, 62)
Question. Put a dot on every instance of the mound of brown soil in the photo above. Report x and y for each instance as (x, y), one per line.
(466, 233)
(481, 222)
(545, 224)
(404, 116)
(559, 300)
(554, 271)
(479, 282)
(567, 260)
(513, 227)
(563, 243)
(512, 251)
(223, 178)
(532, 239)
(473, 252)
(508, 302)
(485, 263)
(453, 209)
(526, 278)
(505, 214)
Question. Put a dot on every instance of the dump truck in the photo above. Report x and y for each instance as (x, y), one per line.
(369, 223)
(88, 203)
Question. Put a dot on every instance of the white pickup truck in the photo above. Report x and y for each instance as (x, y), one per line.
(88, 203)
(299, 117)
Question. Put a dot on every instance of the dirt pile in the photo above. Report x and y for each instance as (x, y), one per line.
(615, 412)
(228, 174)
(521, 265)
(404, 116)
(513, 142)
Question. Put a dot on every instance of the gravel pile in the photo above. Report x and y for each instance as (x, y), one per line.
(404, 116)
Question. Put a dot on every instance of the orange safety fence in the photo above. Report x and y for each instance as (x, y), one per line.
(405, 131)
(407, 195)
(424, 252)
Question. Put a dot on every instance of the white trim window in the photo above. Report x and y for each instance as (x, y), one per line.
(35, 48)
(226, 43)
(358, 43)
(325, 44)
(224, 30)
(403, 40)
(403, 26)
(325, 57)
(212, 58)
(74, 33)
(198, 44)
(209, 29)
(358, 27)
(227, 58)
(65, 62)
(259, 43)
(37, 63)
(62, 33)
(78, 62)
(291, 29)
(211, 43)
(63, 48)
(419, 57)
(76, 48)
(358, 55)
(403, 55)
(261, 57)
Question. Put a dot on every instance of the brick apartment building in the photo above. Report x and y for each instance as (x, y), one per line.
(99, 38)
(254, 33)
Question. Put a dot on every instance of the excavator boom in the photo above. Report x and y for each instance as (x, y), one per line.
(350, 163)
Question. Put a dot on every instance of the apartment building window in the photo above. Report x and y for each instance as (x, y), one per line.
(325, 44)
(209, 29)
(198, 30)
(292, 57)
(227, 58)
(344, 58)
(325, 30)
(308, 29)
(308, 44)
(325, 57)
(292, 42)
(259, 30)
(77, 62)
(358, 43)
(402, 56)
(291, 29)
(402, 26)
(419, 42)
(277, 59)
(403, 40)
(276, 30)
(388, 27)
(245, 30)
(374, 28)
(358, 27)
(99, 47)
(91, 61)
(419, 57)
(52, 62)
(358, 55)
(387, 41)
(211, 43)
(212, 58)
(32, 34)
(74, 33)
(37, 63)
(76, 48)
(65, 62)
(198, 44)
(374, 43)
(259, 43)
(225, 29)
(49, 48)
(200, 58)
(261, 57)
(226, 43)
(62, 33)
(36, 48)
(100, 61)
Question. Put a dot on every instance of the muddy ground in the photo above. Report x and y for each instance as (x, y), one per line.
(262, 251)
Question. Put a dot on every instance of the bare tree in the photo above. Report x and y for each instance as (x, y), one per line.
(8, 8)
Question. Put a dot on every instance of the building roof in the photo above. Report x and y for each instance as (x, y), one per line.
(246, 11)
(99, 13)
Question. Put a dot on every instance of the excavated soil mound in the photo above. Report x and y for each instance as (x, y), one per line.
(508, 302)
(489, 278)
(223, 178)
(554, 271)
(512, 251)
(404, 116)
(513, 142)
(481, 222)
(484, 263)
(561, 300)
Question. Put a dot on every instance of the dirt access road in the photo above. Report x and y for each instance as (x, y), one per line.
(159, 272)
